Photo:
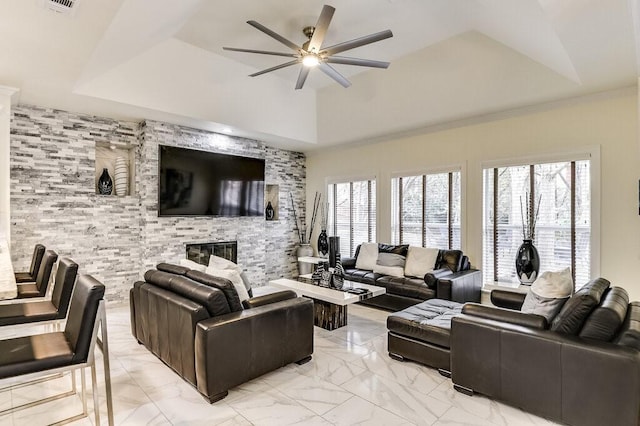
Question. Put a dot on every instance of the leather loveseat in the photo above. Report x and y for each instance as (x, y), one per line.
(451, 279)
(196, 325)
(582, 369)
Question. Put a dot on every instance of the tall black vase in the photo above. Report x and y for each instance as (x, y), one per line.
(323, 243)
(527, 263)
(334, 249)
(105, 184)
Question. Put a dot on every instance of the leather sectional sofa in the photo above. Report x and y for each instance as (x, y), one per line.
(582, 369)
(451, 279)
(196, 325)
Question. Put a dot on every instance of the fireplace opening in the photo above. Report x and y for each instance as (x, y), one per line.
(200, 252)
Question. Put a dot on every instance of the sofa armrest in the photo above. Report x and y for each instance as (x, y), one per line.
(348, 262)
(505, 315)
(278, 296)
(507, 299)
(431, 278)
(463, 286)
(234, 348)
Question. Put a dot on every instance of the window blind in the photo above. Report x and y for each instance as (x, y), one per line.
(426, 210)
(561, 193)
(352, 213)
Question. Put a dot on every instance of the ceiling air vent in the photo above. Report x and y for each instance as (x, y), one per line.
(67, 7)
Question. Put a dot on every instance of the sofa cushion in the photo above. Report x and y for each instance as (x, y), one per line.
(606, 319)
(420, 260)
(361, 276)
(174, 269)
(427, 322)
(629, 334)
(451, 259)
(574, 312)
(408, 287)
(218, 262)
(211, 298)
(222, 284)
(390, 264)
(393, 249)
(367, 256)
(548, 294)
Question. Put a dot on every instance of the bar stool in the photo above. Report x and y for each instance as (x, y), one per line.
(36, 260)
(39, 287)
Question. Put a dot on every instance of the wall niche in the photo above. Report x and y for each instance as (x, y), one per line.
(107, 156)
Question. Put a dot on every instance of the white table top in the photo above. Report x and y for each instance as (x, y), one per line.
(325, 294)
(8, 286)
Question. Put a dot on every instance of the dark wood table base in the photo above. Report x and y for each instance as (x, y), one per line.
(328, 315)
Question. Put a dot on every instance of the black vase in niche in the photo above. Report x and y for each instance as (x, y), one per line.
(527, 263)
(269, 212)
(105, 184)
(323, 243)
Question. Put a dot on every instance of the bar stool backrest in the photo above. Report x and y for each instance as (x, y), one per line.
(36, 259)
(63, 285)
(82, 316)
(44, 273)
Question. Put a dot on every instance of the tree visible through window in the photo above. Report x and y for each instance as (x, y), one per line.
(352, 213)
(426, 210)
(563, 229)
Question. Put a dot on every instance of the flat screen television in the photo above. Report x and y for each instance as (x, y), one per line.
(201, 183)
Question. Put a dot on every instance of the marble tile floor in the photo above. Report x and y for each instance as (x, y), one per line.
(350, 380)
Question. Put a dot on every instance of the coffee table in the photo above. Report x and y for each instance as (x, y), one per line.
(329, 305)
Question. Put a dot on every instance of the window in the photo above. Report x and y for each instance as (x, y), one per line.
(426, 210)
(352, 213)
(561, 193)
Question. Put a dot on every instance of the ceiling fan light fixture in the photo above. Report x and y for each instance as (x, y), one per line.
(310, 60)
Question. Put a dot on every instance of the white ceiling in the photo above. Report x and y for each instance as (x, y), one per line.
(450, 60)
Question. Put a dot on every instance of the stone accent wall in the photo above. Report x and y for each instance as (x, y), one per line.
(116, 239)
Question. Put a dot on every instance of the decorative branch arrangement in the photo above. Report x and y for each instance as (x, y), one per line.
(299, 226)
(529, 225)
(324, 216)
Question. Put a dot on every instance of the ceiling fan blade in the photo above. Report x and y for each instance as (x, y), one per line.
(371, 38)
(302, 77)
(321, 29)
(334, 74)
(277, 67)
(355, 61)
(262, 52)
(277, 36)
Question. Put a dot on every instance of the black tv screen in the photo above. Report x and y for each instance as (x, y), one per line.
(201, 183)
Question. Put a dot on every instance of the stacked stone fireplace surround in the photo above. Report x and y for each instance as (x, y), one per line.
(116, 239)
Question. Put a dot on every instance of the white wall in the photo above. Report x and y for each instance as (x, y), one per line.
(607, 120)
(5, 184)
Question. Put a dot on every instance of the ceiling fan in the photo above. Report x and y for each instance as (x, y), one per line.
(312, 53)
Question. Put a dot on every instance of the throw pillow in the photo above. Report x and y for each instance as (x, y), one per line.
(548, 294)
(245, 280)
(217, 262)
(234, 277)
(390, 264)
(368, 256)
(420, 260)
(192, 265)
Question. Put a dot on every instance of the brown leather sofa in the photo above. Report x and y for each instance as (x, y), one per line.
(582, 369)
(196, 325)
(452, 279)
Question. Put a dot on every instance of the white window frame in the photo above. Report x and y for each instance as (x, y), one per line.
(591, 153)
(355, 178)
(456, 167)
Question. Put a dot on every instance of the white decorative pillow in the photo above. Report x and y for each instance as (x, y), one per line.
(554, 284)
(217, 262)
(548, 294)
(367, 256)
(234, 277)
(192, 265)
(420, 260)
(393, 271)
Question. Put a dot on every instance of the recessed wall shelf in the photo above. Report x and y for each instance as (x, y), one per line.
(106, 155)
